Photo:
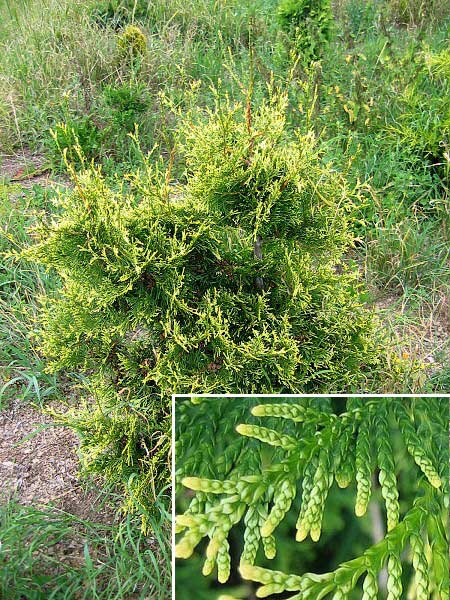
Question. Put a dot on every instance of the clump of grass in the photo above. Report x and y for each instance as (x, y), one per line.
(52, 554)
(23, 368)
(408, 256)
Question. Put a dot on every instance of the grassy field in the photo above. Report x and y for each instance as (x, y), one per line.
(375, 91)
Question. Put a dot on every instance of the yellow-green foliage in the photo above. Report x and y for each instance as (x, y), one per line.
(244, 478)
(132, 42)
(230, 283)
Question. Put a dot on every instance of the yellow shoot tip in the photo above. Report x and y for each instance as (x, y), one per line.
(267, 529)
(247, 571)
(302, 533)
(193, 483)
(243, 429)
(315, 533)
(208, 567)
(184, 521)
(212, 549)
(436, 481)
(259, 410)
(183, 550)
(223, 577)
(343, 483)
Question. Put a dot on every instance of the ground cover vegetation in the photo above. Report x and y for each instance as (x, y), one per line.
(255, 478)
(100, 560)
(228, 167)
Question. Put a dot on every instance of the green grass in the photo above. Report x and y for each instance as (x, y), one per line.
(22, 367)
(407, 257)
(50, 554)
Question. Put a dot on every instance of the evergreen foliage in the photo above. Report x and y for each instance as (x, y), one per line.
(305, 444)
(231, 282)
(132, 42)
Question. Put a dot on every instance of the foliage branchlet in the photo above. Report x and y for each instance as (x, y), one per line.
(309, 450)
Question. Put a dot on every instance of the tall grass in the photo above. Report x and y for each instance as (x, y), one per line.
(22, 372)
(407, 256)
(57, 63)
(50, 554)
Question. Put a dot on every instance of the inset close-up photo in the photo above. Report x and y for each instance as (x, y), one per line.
(297, 497)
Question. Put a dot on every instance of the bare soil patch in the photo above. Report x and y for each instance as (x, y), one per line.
(39, 465)
(25, 168)
(28, 169)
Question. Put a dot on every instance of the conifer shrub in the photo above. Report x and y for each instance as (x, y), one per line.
(246, 461)
(77, 132)
(126, 102)
(232, 281)
(132, 42)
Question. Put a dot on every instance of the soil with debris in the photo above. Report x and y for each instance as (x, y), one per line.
(25, 168)
(39, 464)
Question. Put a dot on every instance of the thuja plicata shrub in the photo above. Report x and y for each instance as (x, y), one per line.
(284, 448)
(232, 281)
